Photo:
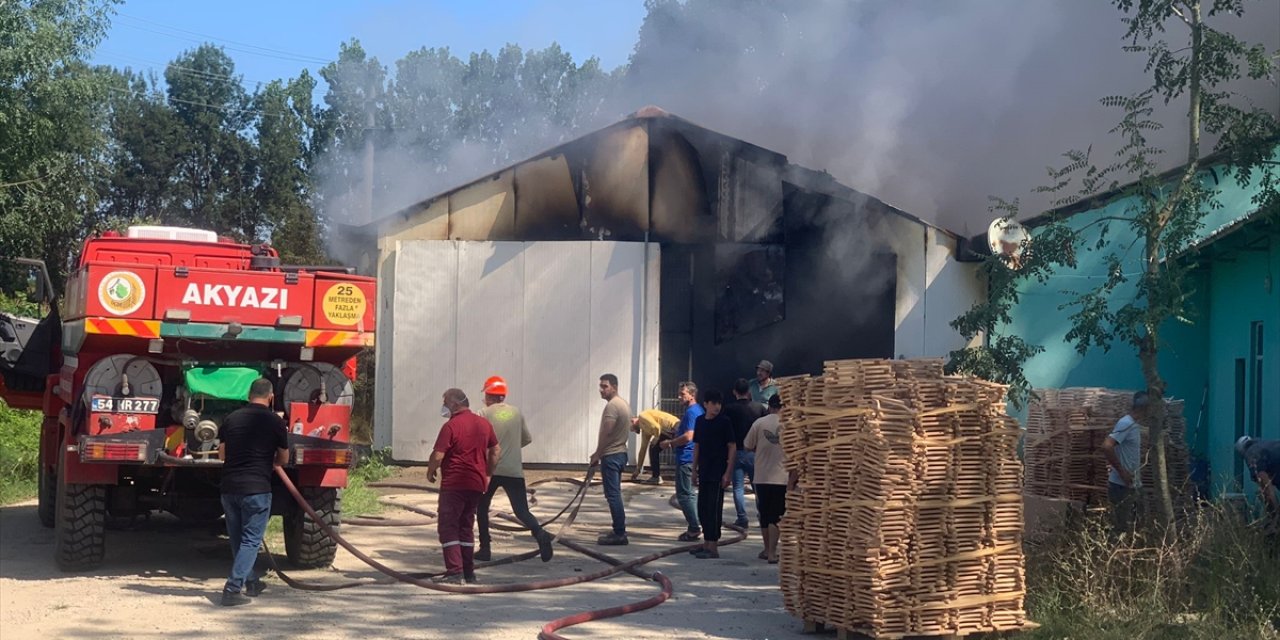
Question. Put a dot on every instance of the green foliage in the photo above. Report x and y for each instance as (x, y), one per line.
(1218, 577)
(20, 305)
(443, 119)
(19, 453)
(50, 125)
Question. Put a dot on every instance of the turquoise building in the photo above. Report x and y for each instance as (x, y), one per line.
(1225, 363)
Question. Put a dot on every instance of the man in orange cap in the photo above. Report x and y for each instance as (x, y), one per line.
(513, 434)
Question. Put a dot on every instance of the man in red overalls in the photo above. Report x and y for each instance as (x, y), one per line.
(466, 452)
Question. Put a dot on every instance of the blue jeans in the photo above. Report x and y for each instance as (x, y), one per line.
(686, 497)
(247, 517)
(611, 467)
(744, 468)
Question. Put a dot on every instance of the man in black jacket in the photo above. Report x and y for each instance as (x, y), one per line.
(743, 413)
(254, 440)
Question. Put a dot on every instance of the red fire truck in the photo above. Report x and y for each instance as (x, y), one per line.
(164, 330)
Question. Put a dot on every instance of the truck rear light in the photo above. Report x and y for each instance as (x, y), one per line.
(317, 456)
(114, 452)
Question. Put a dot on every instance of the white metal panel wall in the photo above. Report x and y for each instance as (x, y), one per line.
(383, 369)
(559, 393)
(425, 356)
(490, 330)
(549, 317)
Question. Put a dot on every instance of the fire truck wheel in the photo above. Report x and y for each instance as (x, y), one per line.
(47, 495)
(305, 543)
(80, 532)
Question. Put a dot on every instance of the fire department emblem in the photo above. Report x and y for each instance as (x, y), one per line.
(121, 292)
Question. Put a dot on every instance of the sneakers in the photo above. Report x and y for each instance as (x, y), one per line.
(254, 588)
(703, 554)
(654, 480)
(613, 540)
(741, 524)
(689, 536)
(545, 551)
(234, 599)
(470, 578)
(483, 554)
(450, 578)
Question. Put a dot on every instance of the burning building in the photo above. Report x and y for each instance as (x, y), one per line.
(655, 249)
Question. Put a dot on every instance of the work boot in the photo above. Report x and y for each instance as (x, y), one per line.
(470, 578)
(254, 588)
(234, 599)
(544, 546)
(705, 554)
(613, 540)
(483, 554)
(449, 578)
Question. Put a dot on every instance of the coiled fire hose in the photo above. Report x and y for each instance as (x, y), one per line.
(548, 630)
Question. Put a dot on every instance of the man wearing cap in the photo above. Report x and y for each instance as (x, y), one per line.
(465, 452)
(513, 435)
(1263, 460)
(655, 427)
(763, 386)
(1123, 451)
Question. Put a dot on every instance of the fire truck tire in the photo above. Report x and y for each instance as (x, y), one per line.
(47, 496)
(305, 542)
(80, 532)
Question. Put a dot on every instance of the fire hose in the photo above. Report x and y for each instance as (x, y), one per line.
(549, 630)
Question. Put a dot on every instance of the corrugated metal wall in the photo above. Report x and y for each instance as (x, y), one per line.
(550, 317)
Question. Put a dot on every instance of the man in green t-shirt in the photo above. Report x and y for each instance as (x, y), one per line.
(508, 425)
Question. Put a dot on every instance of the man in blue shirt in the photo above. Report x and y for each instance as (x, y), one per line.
(682, 443)
(1123, 450)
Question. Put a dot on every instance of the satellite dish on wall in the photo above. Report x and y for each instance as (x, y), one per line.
(1007, 238)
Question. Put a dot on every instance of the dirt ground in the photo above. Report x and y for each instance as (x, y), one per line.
(161, 579)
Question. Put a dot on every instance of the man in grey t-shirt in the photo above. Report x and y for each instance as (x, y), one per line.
(1123, 450)
(611, 455)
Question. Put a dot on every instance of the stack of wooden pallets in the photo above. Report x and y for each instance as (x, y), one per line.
(909, 516)
(1063, 447)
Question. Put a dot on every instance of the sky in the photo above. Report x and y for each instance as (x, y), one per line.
(276, 39)
(929, 105)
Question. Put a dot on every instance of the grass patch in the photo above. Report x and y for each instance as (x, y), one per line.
(357, 499)
(19, 453)
(1213, 576)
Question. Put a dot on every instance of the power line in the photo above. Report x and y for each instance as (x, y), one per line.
(162, 66)
(241, 47)
(215, 107)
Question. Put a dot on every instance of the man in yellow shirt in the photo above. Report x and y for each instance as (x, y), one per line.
(654, 426)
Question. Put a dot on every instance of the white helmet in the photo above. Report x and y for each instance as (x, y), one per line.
(1243, 444)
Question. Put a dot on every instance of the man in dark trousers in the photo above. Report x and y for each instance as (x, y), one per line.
(743, 412)
(513, 435)
(611, 455)
(466, 452)
(713, 447)
(1263, 459)
(254, 440)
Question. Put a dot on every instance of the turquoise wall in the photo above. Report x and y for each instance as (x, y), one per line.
(1225, 296)
(1239, 296)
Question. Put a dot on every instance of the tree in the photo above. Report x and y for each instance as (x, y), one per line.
(1166, 217)
(217, 171)
(50, 126)
(286, 119)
